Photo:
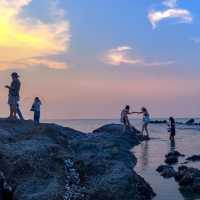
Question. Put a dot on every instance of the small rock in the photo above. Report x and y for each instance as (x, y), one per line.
(166, 171)
(193, 158)
(190, 122)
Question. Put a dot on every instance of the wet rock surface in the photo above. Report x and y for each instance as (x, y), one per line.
(188, 178)
(54, 163)
(172, 157)
(166, 171)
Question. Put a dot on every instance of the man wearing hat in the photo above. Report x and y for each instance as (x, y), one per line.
(13, 95)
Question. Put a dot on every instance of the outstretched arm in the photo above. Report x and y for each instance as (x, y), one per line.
(134, 113)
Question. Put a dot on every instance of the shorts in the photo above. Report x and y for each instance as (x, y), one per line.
(13, 101)
(146, 120)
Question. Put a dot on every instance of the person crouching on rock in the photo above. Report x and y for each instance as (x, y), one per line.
(172, 128)
(36, 109)
(13, 95)
(146, 120)
(124, 118)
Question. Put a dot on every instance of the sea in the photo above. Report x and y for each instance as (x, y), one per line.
(150, 154)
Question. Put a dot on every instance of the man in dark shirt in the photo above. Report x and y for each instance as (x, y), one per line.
(13, 95)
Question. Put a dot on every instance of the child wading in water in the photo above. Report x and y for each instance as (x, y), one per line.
(36, 109)
(172, 128)
(146, 121)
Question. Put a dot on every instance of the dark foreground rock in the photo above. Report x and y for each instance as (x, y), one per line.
(56, 163)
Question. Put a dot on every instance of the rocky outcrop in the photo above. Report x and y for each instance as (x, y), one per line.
(166, 171)
(172, 157)
(55, 163)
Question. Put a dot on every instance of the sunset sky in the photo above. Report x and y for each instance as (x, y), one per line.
(89, 58)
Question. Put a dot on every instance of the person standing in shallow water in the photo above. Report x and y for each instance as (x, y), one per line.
(13, 95)
(172, 128)
(146, 121)
(36, 109)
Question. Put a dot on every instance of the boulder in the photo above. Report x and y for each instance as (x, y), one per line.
(166, 171)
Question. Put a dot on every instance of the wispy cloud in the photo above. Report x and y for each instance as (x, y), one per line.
(170, 3)
(172, 12)
(158, 64)
(181, 15)
(120, 55)
(124, 55)
(26, 41)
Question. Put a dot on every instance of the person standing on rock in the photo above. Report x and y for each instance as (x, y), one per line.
(13, 95)
(146, 120)
(124, 118)
(36, 109)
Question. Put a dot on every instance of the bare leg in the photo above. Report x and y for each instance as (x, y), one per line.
(14, 113)
(146, 129)
(11, 112)
(143, 127)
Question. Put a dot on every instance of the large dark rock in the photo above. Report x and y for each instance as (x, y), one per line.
(57, 163)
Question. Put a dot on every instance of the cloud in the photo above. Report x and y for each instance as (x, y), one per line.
(181, 15)
(29, 41)
(170, 3)
(157, 64)
(120, 55)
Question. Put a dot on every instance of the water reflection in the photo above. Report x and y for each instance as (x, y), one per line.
(172, 145)
(144, 155)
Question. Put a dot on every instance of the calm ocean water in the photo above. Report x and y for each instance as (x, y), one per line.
(151, 153)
